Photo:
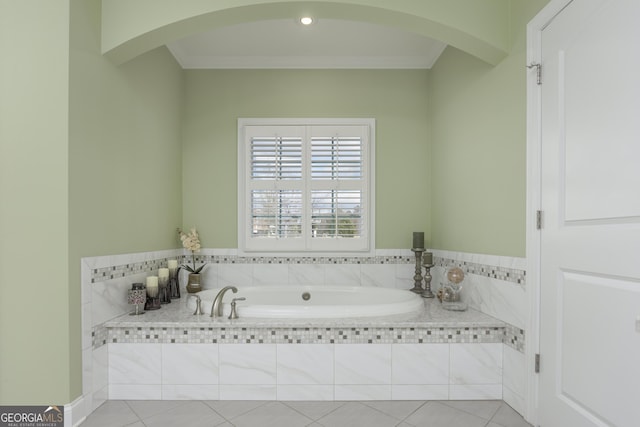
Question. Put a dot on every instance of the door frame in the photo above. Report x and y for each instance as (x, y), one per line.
(534, 174)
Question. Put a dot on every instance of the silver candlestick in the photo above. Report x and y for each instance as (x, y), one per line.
(427, 282)
(417, 278)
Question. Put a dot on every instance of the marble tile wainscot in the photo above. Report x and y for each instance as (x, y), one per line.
(105, 280)
(171, 354)
(496, 287)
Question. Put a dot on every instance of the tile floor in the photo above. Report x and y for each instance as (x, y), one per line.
(141, 413)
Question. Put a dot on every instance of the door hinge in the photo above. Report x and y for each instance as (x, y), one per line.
(539, 220)
(537, 364)
(538, 68)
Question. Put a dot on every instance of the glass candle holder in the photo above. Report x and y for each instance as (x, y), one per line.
(137, 297)
(163, 285)
(174, 286)
(153, 302)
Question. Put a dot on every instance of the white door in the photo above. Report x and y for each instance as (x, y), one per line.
(590, 198)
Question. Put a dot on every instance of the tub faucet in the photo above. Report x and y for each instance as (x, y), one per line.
(216, 308)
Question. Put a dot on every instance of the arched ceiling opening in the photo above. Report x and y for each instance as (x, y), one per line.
(325, 43)
(132, 27)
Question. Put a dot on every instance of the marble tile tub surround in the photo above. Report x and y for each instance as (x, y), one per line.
(391, 270)
(104, 284)
(305, 371)
(494, 285)
(435, 354)
(176, 324)
(105, 280)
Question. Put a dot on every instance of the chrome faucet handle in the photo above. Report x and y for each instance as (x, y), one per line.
(234, 313)
(198, 304)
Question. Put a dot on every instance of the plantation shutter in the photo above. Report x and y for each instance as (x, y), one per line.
(306, 188)
(336, 183)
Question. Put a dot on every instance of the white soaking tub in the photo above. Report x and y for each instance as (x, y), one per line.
(291, 302)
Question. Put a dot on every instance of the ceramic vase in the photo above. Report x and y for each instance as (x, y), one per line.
(193, 285)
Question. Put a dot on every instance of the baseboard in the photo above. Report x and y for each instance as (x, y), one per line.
(76, 412)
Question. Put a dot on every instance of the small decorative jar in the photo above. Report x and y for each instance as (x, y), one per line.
(452, 298)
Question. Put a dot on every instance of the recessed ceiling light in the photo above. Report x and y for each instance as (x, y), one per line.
(306, 20)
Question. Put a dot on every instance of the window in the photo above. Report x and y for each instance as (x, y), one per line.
(305, 185)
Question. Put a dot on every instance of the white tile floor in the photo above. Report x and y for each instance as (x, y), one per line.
(153, 413)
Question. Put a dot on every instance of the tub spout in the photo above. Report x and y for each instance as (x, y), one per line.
(216, 308)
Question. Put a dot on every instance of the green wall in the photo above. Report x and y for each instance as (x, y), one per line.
(89, 165)
(34, 275)
(478, 117)
(215, 99)
(124, 155)
(125, 152)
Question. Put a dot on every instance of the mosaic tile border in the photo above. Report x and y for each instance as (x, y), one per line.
(301, 335)
(514, 337)
(99, 336)
(216, 259)
(494, 272)
(123, 270)
(509, 335)
(129, 269)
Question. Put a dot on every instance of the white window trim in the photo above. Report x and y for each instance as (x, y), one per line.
(243, 195)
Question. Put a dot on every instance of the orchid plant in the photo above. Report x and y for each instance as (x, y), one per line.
(191, 242)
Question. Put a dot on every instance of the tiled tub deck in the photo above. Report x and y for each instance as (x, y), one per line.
(172, 354)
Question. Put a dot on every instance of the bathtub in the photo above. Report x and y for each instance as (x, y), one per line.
(314, 301)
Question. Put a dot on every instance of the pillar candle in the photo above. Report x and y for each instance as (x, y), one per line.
(152, 282)
(427, 258)
(418, 239)
(163, 272)
(172, 263)
(152, 286)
